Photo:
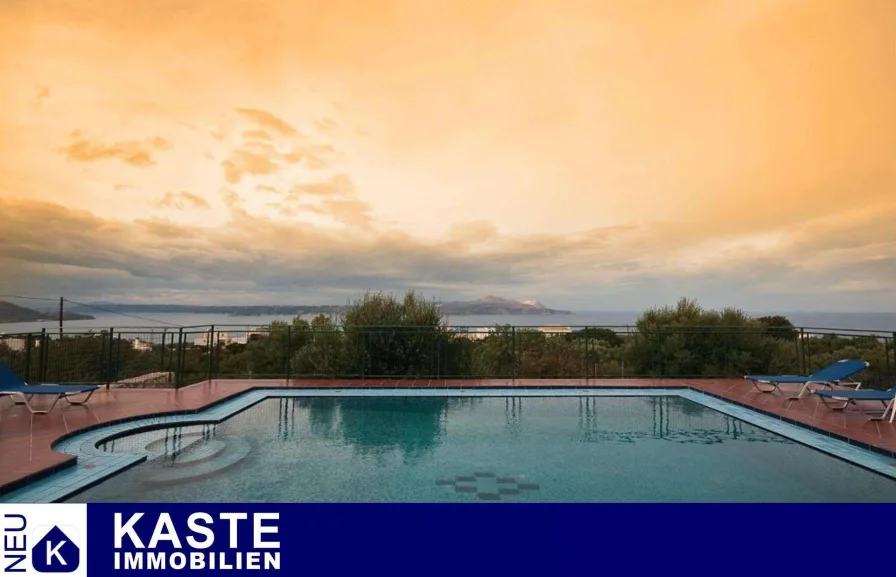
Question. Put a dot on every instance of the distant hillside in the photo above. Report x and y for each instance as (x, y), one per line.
(10, 313)
(231, 310)
(489, 305)
(492, 305)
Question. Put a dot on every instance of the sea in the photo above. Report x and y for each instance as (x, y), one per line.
(882, 323)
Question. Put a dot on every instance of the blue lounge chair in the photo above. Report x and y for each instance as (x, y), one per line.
(850, 397)
(22, 393)
(838, 373)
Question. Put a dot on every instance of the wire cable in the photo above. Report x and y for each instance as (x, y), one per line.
(29, 298)
(105, 310)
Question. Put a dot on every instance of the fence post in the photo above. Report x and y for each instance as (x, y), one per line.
(29, 344)
(118, 362)
(889, 366)
(514, 352)
(218, 348)
(104, 374)
(288, 347)
(164, 344)
(109, 355)
(363, 351)
(804, 362)
(433, 366)
(44, 357)
(887, 356)
(210, 338)
(587, 353)
(439, 339)
(179, 367)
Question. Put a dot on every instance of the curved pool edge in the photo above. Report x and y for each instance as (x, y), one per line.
(93, 465)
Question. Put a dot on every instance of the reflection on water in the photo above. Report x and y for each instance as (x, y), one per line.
(371, 425)
(398, 449)
(411, 425)
(415, 426)
(673, 419)
(513, 415)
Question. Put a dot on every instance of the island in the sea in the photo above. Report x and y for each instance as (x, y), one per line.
(492, 305)
(10, 313)
(489, 305)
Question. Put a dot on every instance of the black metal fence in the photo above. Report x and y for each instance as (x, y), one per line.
(141, 357)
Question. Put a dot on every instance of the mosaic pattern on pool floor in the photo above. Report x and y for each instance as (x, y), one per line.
(488, 486)
(95, 464)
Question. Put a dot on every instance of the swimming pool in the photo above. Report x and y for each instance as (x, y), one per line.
(477, 447)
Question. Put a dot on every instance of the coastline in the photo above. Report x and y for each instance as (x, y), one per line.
(884, 322)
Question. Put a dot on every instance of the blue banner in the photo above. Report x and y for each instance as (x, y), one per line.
(433, 539)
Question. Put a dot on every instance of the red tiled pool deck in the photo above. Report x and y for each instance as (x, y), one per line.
(26, 440)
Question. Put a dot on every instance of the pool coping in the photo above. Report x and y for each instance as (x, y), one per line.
(92, 465)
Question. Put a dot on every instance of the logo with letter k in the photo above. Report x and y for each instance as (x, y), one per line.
(55, 553)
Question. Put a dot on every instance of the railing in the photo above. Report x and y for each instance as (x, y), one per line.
(137, 357)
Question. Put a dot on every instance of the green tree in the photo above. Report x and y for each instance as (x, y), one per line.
(598, 334)
(387, 337)
(778, 327)
(687, 340)
(495, 355)
(322, 352)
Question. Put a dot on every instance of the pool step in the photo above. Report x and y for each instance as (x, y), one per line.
(213, 461)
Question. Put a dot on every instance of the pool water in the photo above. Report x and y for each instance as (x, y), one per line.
(542, 449)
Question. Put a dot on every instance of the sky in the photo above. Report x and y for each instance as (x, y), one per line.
(590, 154)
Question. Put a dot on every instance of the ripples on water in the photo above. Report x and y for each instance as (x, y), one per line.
(519, 449)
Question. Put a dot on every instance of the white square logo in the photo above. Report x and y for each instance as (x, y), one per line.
(43, 540)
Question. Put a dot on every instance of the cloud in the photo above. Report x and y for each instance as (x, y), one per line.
(269, 147)
(335, 198)
(269, 121)
(338, 185)
(745, 159)
(256, 135)
(244, 162)
(231, 199)
(349, 211)
(182, 200)
(474, 232)
(263, 159)
(326, 126)
(133, 152)
(255, 259)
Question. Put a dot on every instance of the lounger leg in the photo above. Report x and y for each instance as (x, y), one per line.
(807, 388)
(882, 416)
(829, 405)
(24, 401)
(888, 408)
(773, 387)
(873, 416)
(833, 407)
(27, 402)
(83, 402)
(801, 392)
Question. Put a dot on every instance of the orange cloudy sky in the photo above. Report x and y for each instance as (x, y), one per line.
(592, 154)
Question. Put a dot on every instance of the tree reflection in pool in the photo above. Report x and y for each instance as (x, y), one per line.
(407, 449)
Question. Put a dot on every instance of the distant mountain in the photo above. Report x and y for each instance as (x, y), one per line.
(488, 305)
(231, 310)
(492, 305)
(10, 313)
